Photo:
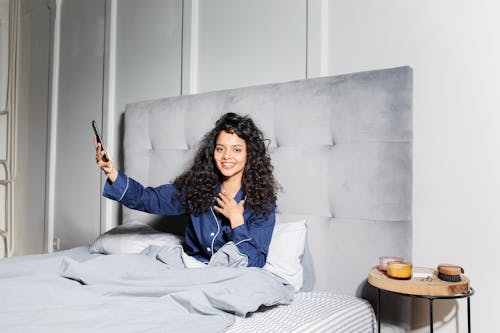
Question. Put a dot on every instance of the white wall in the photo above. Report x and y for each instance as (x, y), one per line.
(454, 49)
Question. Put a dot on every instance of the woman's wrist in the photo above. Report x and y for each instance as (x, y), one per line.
(236, 221)
(112, 175)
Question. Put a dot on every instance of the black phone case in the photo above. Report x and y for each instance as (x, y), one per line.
(99, 140)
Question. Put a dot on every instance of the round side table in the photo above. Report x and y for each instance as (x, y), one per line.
(431, 289)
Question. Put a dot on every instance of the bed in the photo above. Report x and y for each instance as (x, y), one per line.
(342, 151)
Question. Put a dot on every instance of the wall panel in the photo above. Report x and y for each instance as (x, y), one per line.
(243, 43)
(77, 183)
(148, 50)
(32, 120)
(147, 61)
(4, 50)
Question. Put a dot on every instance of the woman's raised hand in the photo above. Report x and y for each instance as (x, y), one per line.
(232, 210)
(107, 167)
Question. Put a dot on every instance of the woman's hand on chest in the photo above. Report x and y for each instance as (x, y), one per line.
(231, 209)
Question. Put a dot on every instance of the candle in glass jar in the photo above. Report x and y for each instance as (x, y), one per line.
(382, 265)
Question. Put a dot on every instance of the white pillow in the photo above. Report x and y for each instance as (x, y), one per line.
(286, 250)
(132, 238)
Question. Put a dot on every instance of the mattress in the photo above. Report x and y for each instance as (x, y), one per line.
(311, 312)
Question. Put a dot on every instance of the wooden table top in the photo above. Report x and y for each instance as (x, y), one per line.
(417, 285)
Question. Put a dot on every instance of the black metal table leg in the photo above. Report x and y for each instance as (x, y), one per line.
(431, 317)
(468, 314)
(378, 310)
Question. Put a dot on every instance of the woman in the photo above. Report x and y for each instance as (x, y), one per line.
(229, 192)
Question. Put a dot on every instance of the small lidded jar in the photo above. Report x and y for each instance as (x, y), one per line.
(382, 265)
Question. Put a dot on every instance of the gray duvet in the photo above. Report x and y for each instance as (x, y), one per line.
(147, 292)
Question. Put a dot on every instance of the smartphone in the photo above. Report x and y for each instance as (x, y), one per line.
(99, 140)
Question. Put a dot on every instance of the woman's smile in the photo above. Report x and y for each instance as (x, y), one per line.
(227, 165)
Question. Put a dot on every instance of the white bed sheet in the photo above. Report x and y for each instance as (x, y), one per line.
(312, 312)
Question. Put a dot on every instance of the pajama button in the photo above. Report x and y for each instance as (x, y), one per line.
(208, 249)
(212, 234)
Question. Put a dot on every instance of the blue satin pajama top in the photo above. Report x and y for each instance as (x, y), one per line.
(206, 233)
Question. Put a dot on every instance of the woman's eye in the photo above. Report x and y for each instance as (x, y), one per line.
(219, 149)
(237, 150)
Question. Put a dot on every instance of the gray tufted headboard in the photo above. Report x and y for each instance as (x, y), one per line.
(342, 151)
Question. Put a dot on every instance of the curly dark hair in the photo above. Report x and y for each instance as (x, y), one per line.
(198, 185)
